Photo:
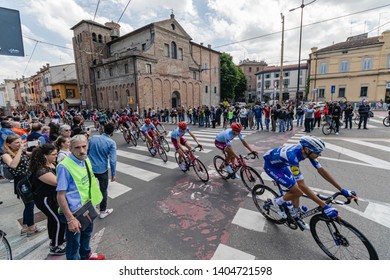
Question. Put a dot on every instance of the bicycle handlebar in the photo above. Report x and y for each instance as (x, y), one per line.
(247, 156)
(332, 199)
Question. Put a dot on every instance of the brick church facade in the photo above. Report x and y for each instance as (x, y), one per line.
(156, 66)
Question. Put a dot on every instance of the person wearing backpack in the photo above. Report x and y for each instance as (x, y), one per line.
(17, 160)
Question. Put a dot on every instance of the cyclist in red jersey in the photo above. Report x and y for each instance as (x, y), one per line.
(157, 123)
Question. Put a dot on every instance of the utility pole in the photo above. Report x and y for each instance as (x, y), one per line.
(281, 63)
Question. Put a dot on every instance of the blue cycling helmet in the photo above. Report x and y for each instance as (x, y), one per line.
(315, 144)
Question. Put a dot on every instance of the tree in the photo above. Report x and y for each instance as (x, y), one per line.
(229, 74)
(241, 86)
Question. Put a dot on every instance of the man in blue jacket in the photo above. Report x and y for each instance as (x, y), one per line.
(100, 149)
(258, 110)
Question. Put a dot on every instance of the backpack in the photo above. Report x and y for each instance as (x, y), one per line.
(4, 172)
(24, 189)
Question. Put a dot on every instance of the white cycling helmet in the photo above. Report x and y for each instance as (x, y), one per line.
(315, 144)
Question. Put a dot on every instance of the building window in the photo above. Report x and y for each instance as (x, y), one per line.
(149, 68)
(286, 74)
(101, 96)
(267, 76)
(276, 75)
(180, 54)
(341, 92)
(144, 47)
(250, 69)
(100, 38)
(321, 93)
(205, 68)
(194, 75)
(166, 50)
(259, 85)
(110, 71)
(344, 66)
(215, 89)
(98, 74)
(126, 68)
(267, 84)
(367, 64)
(173, 26)
(116, 95)
(323, 68)
(363, 91)
(286, 82)
(215, 69)
(94, 37)
(207, 89)
(257, 69)
(173, 50)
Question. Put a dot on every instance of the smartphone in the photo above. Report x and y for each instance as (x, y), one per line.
(32, 143)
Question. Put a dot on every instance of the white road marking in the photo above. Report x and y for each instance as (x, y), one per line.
(249, 219)
(116, 189)
(147, 159)
(368, 144)
(225, 252)
(136, 172)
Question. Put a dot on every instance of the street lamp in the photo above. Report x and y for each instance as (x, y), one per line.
(303, 5)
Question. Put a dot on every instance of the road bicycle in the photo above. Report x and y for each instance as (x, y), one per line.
(336, 237)
(386, 121)
(164, 143)
(191, 161)
(157, 148)
(129, 136)
(138, 134)
(330, 126)
(249, 176)
(356, 119)
(5, 248)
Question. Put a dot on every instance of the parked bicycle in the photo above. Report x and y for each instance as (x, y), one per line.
(191, 161)
(329, 127)
(5, 248)
(336, 237)
(356, 119)
(157, 148)
(249, 176)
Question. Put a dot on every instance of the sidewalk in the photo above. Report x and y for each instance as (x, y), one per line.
(11, 213)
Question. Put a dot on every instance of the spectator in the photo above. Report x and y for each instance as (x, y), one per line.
(65, 130)
(5, 131)
(267, 120)
(282, 116)
(100, 148)
(44, 183)
(35, 137)
(336, 115)
(258, 116)
(62, 144)
(364, 110)
(300, 114)
(317, 117)
(244, 117)
(72, 192)
(348, 113)
(309, 118)
(290, 117)
(18, 162)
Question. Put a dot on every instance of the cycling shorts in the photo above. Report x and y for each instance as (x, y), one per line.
(126, 124)
(150, 132)
(176, 145)
(220, 145)
(282, 175)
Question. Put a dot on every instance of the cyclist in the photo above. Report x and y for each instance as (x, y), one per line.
(282, 165)
(157, 123)
(102, 119)
(178, 141)
(124, 122)
(222, 142)
(150, 132)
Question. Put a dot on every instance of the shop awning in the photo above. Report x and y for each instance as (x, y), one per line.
(73, 101)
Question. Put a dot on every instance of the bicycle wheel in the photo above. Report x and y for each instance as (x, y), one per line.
(219, 164)
(132, 139)
(262, 197)
(340, 240)
(126, 137)
(356, 120)
(386, 121)
(250, 177)
(164, 143)
(5, 248)
(163, 155)
(201, 170)
(150, 149)
(326, 129)
(142, 136)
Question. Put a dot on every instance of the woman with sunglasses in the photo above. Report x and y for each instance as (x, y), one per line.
(282, 165)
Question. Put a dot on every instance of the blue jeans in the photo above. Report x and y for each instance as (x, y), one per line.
(77, 245)
(267, 121)
(259, 123)
(282, 125)
(299, 120)
(103, 184)
(289, 123)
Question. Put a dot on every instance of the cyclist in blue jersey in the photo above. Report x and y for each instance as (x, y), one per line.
(150, 131)
(223, 142)
(282, 165)
(178, 141)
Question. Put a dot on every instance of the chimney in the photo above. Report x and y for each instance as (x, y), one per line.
(209, 46)
(201, 44)
(115, 29)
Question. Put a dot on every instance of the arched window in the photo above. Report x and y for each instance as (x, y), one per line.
(116, 95)
(94, 37)
(100, 38)
(173, 50)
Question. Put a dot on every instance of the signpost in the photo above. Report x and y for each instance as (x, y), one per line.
(332, 91)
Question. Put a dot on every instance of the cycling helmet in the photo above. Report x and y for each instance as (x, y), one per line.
(147, 121)
(236, 127)
(154, 119)
(315, 144)
(182, 125)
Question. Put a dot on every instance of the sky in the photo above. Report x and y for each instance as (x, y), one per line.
(246, 29)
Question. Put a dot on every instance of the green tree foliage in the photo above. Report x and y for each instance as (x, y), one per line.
(241, 86)
(229, 77)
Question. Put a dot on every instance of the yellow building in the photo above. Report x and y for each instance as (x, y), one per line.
(65, 95)
(352, 70)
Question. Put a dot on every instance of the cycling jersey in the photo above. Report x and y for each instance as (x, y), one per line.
(102, 119)
(226, 136)
(124, 119)
(177, 133)
(156, 123)
(282, 164)
(146, 128)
